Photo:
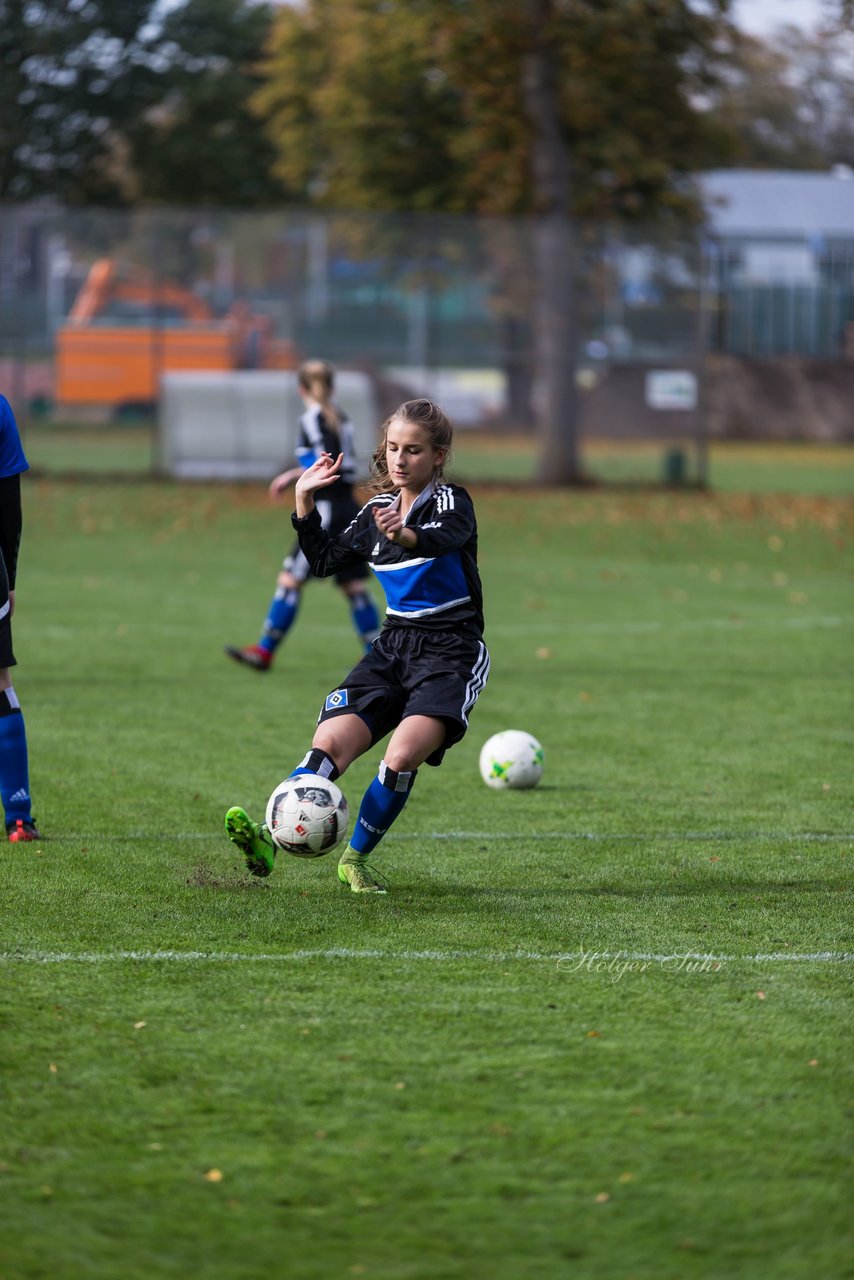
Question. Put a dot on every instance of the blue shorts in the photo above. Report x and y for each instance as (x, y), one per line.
(413, 672)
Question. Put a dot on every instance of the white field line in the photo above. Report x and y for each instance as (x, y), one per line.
(560, 958)
(529, 837)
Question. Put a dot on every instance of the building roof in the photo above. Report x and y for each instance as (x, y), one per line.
(779, 203)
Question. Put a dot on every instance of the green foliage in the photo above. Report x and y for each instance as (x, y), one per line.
(418, 1086)
(379, 104)
(66, 92)
(427, 108)
(199, 141)
(106, 103)
(361, 114)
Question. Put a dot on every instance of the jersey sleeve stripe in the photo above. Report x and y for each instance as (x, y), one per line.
(383, 501)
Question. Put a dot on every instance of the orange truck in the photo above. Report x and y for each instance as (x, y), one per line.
(125, 330)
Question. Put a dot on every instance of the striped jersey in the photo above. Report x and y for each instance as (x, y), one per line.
(317, 435)
(434, 586)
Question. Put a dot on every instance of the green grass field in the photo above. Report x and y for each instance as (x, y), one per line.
(77, 449)
(600, 1029)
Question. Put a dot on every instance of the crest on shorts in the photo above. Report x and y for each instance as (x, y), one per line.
(335, 701)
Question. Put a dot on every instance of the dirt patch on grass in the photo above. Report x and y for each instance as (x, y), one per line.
(203, 876)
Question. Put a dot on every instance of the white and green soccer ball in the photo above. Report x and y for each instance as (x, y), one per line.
(512, 760)
(307, 816)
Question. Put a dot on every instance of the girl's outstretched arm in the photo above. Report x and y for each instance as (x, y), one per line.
(280, 483)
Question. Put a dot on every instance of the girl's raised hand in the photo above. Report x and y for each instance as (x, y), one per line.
(319, 474)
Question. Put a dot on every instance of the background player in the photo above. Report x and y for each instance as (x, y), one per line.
(422, 677)
(14, 763)
(323, 428)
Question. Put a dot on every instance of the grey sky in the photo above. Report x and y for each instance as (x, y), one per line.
(761, 17)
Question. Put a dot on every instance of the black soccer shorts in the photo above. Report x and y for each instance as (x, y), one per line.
(410, 672)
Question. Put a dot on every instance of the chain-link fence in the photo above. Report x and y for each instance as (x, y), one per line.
(97, 307)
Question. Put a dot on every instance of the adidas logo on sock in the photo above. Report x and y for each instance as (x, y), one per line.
(18, 796)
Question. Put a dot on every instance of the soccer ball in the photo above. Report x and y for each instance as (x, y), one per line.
(511, 760)
(307, 815)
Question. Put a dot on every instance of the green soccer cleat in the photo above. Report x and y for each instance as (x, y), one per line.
(253, 839)
(358, 874)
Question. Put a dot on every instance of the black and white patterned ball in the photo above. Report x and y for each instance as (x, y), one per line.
(307, 815)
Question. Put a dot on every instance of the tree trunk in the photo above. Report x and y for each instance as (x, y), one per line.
(556, 399)
(517, 371)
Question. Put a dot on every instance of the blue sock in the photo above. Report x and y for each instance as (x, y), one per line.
(279, 619)
(14, 770)
(366, 620)
(381, 804)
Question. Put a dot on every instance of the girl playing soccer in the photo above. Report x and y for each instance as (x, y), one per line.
(423, 674)
(323, 428)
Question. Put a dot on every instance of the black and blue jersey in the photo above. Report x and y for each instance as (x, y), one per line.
(317, 435)
(434, 586)
(337, 505)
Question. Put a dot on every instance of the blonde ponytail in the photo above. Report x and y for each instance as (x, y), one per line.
(316, 378)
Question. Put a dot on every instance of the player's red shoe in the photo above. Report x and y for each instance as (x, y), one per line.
(252, 656)
(21, 831)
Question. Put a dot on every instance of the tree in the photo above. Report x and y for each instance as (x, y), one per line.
(106, 102)
(548, 107)
(839, 16)
(420, 105)
(66, 72)
(555, 321)
(821, 70)
(359, 108)
(198, 140)
(789, 101)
